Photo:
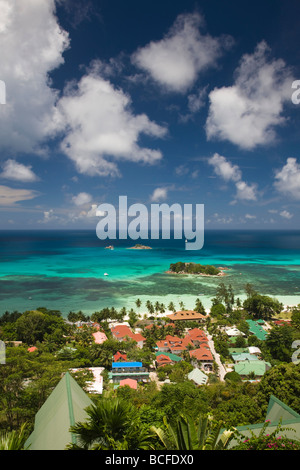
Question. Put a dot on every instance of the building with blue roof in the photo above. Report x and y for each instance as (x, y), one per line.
(123, 365)
(128, 370)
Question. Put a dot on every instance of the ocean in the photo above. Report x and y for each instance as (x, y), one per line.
(65, 270)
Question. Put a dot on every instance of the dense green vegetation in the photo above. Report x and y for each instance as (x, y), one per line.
(28, 378)
(194, 268)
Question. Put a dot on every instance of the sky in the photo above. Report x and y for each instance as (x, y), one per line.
(187, 102)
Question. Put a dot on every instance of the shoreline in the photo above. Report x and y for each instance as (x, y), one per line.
(139, 247)
(207, 310)
(220, 274)
(65, 306)
(195, 274)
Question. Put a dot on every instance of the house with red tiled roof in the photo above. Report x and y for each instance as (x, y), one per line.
(281, 322)
(194, 338)
(177, 348)
(197, 337)
(163, 345)
(32, 349)
(130, 382)
(153, 325)
(121, 332)
(202, 355)
(119, 357)
(173, 339)
(187, 315)
(171, 343)
(163, 360)
(99, 337)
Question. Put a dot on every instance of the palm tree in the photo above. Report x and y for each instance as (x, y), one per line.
(106, 359)
(151, 311)
(84, 337)
(111, 425)
(199, 307)
(162, 308)
(185, 435)
(138, 303)
(14, 440)
(122, 313)
(150, 307)
(157, 306)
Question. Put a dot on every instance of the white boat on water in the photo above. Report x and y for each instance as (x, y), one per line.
(105, 274)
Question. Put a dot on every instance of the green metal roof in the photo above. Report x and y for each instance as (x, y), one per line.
(246, 367)
(243, 357)
(173, 357)
(238, 350)
(256, 328)
(62, 409)
(278, 410)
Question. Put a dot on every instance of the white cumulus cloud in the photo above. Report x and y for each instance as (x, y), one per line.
(32, 45)
(175, 61)
(82, 199)
(229, 172)
(224, 168)
(101, 127)
(287, 179)
(247, 192)
(247, 113)
(286, 214)
(13, 170)
(159, 194)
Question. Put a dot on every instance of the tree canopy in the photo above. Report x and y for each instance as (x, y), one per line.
(262, 306)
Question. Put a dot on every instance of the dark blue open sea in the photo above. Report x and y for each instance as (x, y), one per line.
(65, 269)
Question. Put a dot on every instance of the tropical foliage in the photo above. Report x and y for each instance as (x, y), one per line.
(14, 440)
(263, 441)
(193, 268)
(112, 425)
(186, 435)
(29, 376)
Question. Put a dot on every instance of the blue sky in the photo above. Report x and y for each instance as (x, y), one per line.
(173, 101)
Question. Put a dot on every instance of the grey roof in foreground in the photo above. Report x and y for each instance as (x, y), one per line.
(63, 408)
(198, 376)
(277, 413)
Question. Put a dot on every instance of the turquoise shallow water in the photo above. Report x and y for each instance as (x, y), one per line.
(65, 269)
